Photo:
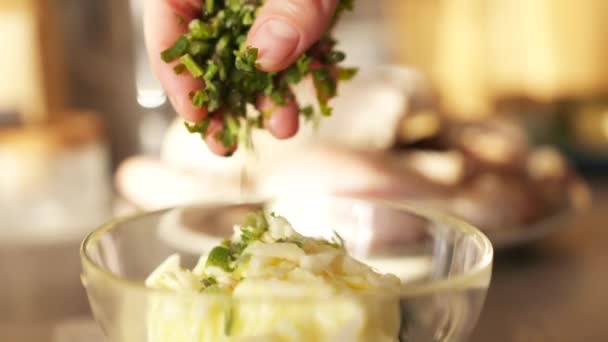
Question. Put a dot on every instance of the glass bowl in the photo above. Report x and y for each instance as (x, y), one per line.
(444, 265)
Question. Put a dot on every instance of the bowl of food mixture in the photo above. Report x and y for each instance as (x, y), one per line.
(290, 269)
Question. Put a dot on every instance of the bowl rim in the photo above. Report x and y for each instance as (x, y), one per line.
(480, 272)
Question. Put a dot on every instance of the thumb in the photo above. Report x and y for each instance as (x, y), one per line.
(284, 29)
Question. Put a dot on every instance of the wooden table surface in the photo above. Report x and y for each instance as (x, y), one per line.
(555, 290)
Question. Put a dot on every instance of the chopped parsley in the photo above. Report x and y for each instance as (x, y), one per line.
(213, 49)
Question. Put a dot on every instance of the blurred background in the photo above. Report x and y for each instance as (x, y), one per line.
(494, 111)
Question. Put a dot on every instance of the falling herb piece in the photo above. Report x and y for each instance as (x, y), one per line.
(226, 137)
(307, 112)
(232, 125)
(336, 57)
(213, 49)
(326, 110)
(346, 74)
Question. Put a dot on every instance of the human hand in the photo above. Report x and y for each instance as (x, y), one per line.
(283, 30)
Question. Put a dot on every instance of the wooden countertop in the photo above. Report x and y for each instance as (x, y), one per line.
(554, 290)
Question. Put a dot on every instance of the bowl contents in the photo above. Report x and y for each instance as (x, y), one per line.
(274, 280)
(258, 282)
(214, 49)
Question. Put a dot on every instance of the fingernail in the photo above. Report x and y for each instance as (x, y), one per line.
(276, 40)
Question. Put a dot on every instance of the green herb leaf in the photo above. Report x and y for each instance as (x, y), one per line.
(325, 109)
(200, 99)
(307, 112)
(175, 51)
(336, 57)
(209, 281)
(213, 93)
(254, 227)
(237, 248)
(346, 74)
(226, 136)
(293, 74)
(248, 18)
(212, 70)
(200, 30)
(199, 127)
(220, 257)
(303, 64)
(179, 69)
(198, 48)
(209, 7)
(222, 45)
(193, 67)
(232, 125)
(214, 49)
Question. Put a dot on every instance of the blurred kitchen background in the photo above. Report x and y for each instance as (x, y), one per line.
(495, 111)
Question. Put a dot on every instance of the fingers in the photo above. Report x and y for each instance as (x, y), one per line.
(284, 121)
(162, 28)
(213, 143)
(284, 29)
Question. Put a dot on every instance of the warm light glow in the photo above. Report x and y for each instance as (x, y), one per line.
(546, 163)
(489, 146)
(151, 98)
(441, 167)
(420, 126)
(605, 123)
(20, 88)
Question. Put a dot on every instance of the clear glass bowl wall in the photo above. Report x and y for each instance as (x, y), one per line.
(444, 264)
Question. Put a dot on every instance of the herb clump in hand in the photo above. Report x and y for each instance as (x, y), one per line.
(214, 50)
